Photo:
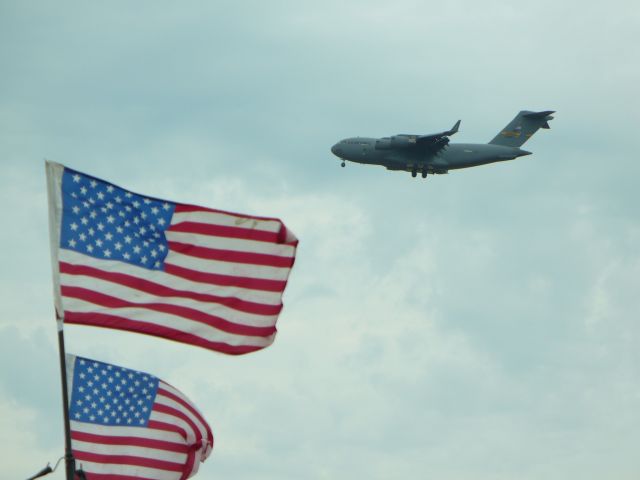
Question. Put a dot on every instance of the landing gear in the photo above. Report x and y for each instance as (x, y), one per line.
(342, 164)
(423, 172)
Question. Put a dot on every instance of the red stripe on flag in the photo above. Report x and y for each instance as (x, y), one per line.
(232, 256)
(128, 460)
(120, 323)
(186, 208)
(131, 441)
(226, 280)
(109, 301)
(188, 468)
(163, 291)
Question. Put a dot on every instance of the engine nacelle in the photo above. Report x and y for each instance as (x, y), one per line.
(397, 141)
(403, 141)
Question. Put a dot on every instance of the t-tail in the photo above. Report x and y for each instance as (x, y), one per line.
(521, 128)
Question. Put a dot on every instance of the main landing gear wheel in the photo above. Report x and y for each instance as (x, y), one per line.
(414, 173)
(424, 174)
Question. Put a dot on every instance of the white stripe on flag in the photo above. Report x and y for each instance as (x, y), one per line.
(226, 220)
(138, 432)
(130, 450)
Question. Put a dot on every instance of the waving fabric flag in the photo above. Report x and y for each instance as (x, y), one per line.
(190, 274)
(127, 424)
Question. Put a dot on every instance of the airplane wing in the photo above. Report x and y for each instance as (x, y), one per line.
(436, 141)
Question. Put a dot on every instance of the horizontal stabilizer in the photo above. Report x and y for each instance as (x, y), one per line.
(546, 116)
(546, 113)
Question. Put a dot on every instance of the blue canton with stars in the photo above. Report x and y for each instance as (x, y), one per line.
(110, 223)
(109, 395)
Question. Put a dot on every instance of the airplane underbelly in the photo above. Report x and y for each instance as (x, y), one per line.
(417, 163)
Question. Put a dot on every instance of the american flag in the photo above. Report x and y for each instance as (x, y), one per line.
(191, 274)
(127, 424)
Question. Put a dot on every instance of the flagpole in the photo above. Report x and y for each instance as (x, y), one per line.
(70, 463)
(54, 173)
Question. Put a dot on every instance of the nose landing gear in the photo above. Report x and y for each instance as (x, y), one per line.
(342, 164)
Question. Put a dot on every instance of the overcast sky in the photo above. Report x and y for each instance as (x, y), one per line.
(482, 324)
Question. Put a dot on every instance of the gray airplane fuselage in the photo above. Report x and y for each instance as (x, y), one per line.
(453, 156)
(434, 154)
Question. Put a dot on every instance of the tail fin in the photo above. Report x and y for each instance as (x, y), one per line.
(521, 128)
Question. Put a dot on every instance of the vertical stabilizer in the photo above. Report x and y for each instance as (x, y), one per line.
(522, 127)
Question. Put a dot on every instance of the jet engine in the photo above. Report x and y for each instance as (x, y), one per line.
(397, 141)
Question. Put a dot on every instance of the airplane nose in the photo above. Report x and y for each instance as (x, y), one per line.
(336, 150)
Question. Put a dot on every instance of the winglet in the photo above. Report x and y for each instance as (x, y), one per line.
(455, 128)
(436, 137)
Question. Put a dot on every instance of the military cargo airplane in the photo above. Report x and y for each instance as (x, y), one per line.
(433, 154)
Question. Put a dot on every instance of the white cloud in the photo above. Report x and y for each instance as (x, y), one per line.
(21, 426)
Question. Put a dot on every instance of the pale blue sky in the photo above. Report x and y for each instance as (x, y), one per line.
(482, 324)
